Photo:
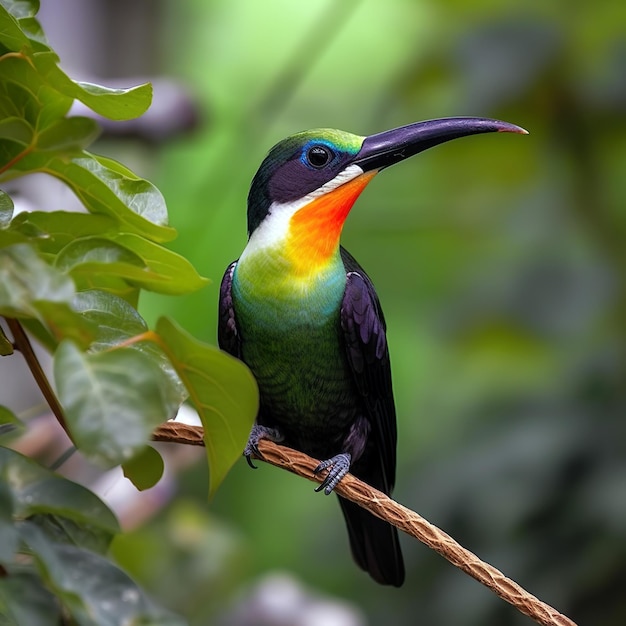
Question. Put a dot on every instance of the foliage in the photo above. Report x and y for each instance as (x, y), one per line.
(500, 263)
(73, 280)
(65, 530)
(500, 266)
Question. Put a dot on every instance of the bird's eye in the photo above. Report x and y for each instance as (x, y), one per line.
(319, 156)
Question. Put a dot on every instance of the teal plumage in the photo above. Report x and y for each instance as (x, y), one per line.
(290, 338)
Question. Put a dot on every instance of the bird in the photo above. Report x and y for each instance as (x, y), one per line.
(305, 317)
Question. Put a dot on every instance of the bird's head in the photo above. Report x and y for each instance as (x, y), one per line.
(307, 184)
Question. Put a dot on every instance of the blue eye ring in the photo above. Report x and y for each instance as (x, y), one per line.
(318, 156)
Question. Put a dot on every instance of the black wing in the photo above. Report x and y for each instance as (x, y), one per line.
(227, 333)
(365, 337)
(374, 543)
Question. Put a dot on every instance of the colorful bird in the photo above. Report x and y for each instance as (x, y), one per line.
(305, 317)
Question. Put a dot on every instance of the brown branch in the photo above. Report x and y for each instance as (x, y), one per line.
(401, 517)
(22, 343)
(177, 432)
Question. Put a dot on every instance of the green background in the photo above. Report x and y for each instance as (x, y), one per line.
(500, 264)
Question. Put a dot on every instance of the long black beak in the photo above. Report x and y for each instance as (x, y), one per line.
(391, 146)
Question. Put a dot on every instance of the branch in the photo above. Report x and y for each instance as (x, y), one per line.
(178, 432)
(399, 516)
(21, 342)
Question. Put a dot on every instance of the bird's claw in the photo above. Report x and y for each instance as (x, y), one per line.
(339, 466)
(256, 434)
(248, 454)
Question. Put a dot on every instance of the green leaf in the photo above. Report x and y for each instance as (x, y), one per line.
(52, 231)
(63, 322)
(8, 533)
(6, 209)
(10, 425)
(29, 287)
(112, 400)
(115, 319)
(175, 274)
(17, 130)
(64, 530)
(21, 8)
(38, 491)
(39, 332)
(24, 600)
(145, 469)
(6, 347)
(93, 589)
(8, 417)
(32, 29)
(10, 238)
(92, 260)
(115, 104)
(39, 68)
(11, 34)
(106, 188)
(18, 89)
(142, 197)
(223, 391)
(68, 134)
(25, 279)
(98, 263)
(116, 322)
(98, 251)
(24, 93)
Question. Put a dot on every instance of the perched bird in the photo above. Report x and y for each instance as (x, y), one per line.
(305, 317)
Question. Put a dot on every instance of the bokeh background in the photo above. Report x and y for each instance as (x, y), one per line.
(500, 261)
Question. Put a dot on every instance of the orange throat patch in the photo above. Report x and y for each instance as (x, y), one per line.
(315, 229)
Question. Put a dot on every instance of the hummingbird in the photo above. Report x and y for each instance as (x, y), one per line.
(304, 316)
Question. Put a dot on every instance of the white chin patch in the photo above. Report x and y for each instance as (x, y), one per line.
(274, 228)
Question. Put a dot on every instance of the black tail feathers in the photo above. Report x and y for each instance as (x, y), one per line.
(374, 543)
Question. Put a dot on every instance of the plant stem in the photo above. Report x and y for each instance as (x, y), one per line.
(22, 343)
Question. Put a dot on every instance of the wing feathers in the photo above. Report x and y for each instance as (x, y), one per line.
(364, 330)
(227, 334)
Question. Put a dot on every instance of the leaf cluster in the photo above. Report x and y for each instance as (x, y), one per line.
(73, 281)
(55, 534)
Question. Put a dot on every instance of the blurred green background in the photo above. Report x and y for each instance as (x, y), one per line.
(500, 262)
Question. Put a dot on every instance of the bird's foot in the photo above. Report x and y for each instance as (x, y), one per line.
(257, 433)
(339, 466)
